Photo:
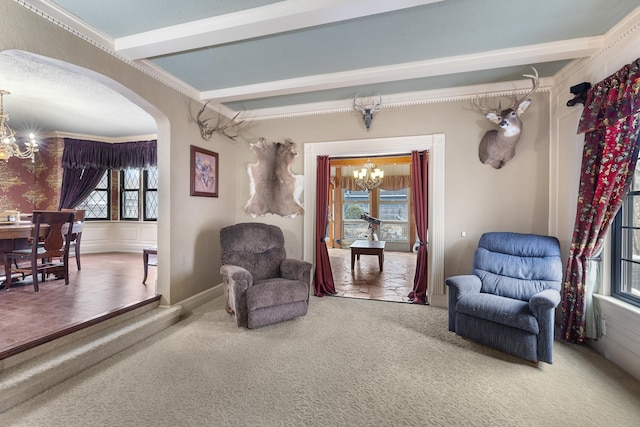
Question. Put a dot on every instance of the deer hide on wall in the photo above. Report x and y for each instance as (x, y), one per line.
(274, 188)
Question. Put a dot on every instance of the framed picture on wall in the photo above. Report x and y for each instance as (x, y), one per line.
(204, 172)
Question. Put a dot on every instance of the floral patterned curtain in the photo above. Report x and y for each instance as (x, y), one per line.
(611, 120)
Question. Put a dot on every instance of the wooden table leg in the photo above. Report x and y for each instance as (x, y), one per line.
(353, 258)
(145, 260)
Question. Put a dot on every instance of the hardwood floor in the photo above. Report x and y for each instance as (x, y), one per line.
(367, 281)
(107, 285)
(111, 283)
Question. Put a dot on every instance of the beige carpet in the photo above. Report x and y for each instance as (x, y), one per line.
(349, 362)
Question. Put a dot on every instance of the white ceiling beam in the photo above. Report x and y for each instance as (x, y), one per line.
(544, 52)
(257, 22)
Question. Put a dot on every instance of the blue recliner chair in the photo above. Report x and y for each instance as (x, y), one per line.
(509, 300)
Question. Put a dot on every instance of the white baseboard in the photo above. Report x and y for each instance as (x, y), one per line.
(189, 304)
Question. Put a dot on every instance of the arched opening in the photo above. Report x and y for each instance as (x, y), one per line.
(56, 100)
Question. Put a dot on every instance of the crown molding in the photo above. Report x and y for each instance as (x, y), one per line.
(58, 16)
(543, 52)
(618, 34)
(460, 93)
(589, 49)
(114, 140)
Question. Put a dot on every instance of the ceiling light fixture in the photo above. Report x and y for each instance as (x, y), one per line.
(367, 178)
(8, 145)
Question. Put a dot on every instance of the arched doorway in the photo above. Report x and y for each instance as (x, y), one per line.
(47, 88)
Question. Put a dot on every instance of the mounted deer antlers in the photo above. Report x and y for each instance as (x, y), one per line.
(499, 146)
(206, 131)
(367, 112)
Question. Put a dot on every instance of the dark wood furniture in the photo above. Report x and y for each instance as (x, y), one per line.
(48, 254)
(367, 247)
(145, 259)
(76, 236)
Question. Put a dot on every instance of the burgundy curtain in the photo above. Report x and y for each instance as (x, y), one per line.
(85, 162)
(419, 193)
(611, 119)
(322, 277)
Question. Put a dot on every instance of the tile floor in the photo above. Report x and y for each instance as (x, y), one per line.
(367, 281)
(107, 284)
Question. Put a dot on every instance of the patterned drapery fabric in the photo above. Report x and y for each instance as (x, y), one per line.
(611, 120)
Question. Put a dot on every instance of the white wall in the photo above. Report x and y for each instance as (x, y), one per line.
(621, 343)
(478, 198)
(118, 236)
(188, 227)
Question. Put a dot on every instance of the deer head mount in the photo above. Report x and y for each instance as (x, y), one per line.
(207, 131)
(498, 146)
(367, 112)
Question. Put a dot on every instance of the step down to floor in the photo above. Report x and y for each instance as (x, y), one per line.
(31, 377)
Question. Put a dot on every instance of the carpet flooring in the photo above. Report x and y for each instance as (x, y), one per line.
(349, 362)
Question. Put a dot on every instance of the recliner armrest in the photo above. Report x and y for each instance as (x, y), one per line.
(459, 286)
(549, 298)
(296, 269)
(464, 284)
(236, 282)
(240, 277)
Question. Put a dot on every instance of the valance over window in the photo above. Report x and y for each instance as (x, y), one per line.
(85, 162)
(390, 183)
(79, 154)
(613, 99)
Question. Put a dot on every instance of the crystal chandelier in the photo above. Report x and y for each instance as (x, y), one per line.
(369, 177)
(8, 145)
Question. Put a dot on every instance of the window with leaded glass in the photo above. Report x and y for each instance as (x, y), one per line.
(150, 189)
(97, 205)
(626, 247)
(130, 194)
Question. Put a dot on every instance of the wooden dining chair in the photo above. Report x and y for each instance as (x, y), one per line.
(51, 255)
(78, 225)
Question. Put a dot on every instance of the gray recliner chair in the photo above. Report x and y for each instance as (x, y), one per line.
(509, 300)
(261, 285)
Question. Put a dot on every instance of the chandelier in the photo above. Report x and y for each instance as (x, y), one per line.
(369, 177)
(8, 145)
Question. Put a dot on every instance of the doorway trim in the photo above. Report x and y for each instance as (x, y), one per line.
(379, 147)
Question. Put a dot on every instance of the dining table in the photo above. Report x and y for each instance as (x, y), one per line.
(13, 236)
(18, 235)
